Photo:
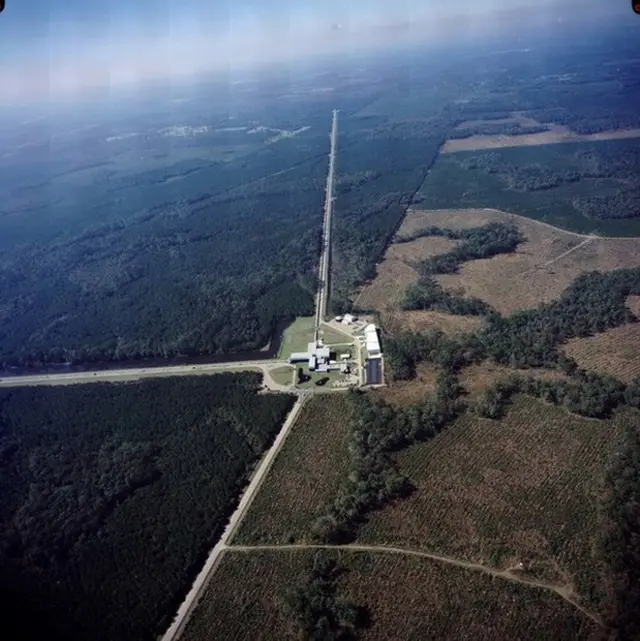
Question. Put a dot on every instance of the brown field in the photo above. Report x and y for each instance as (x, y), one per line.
(305, 475)
(476, 378)
(556, 134)
(395, 273)
(404, 598)
(420, 321)
(403, 393)
(538, 271)
(523, 489)
(615, 352)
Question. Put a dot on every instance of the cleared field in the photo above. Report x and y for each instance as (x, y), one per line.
(556, 134)
(520, 490)
(476, 378)
(420, 321)
(332, 336)
(305, 475)
(401, 598)
(297, 336)
(395, 273)
(403, 393)
(538, 271)
(615, 352)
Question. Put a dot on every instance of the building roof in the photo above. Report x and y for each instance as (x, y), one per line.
(373, 370)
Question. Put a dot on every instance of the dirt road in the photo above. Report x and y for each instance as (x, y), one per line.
(508, 574)
(200, 584)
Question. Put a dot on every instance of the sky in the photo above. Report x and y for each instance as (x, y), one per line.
(50, 48)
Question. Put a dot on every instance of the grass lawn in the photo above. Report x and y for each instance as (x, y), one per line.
(317, 376)
(282, 375)
(297, 336)
(332, 336)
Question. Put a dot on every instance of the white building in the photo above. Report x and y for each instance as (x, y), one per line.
(348, 319)
(372, 342)
(317, 356)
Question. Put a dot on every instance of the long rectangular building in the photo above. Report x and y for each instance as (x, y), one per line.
(372, 342)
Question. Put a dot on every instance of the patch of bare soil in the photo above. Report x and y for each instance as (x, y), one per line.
(556, 134)
(538, 271)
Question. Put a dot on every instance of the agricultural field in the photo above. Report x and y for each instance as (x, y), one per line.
(305, 475)
(615, 352)
(556, 134)
(538, 271)
(297, 336)
(521, 490)
(582, 187)
(112, 494)
(476, 378)
(429, 320)
(397, 596)
(400, 394)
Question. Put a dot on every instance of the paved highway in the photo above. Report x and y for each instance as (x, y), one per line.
(122, 375)
(325, 257)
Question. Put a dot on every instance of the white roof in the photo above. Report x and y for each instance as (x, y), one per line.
(370, 329)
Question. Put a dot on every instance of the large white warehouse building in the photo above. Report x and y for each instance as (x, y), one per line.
(372, 342)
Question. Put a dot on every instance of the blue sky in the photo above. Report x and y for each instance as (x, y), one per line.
(49, 47)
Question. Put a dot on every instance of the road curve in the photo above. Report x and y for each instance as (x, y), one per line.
(507, 575)
(202, 580)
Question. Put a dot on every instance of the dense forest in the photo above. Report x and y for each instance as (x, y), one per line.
(578, 186)
(112, 494)
(209, 277)
(497, 129)
(319, 612)
(619, 164)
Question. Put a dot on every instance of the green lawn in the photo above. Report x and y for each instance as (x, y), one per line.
(316, 376)
(332, 336)
(282, 375)
(297, 336)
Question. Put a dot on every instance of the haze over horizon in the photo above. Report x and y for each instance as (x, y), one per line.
(59, 49)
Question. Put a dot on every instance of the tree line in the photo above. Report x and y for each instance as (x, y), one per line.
(478, 242)
(94, 474)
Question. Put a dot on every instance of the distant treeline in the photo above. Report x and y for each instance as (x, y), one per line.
(497, 129)
(111, 496)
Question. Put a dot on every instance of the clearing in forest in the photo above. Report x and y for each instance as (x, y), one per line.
(614, 352)
(556, 134)
(538, 271)
(305, 475)
(522, 489)
(399, 597)
(398, 270)
(297, 336)
(477, 377)
(403, 393)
